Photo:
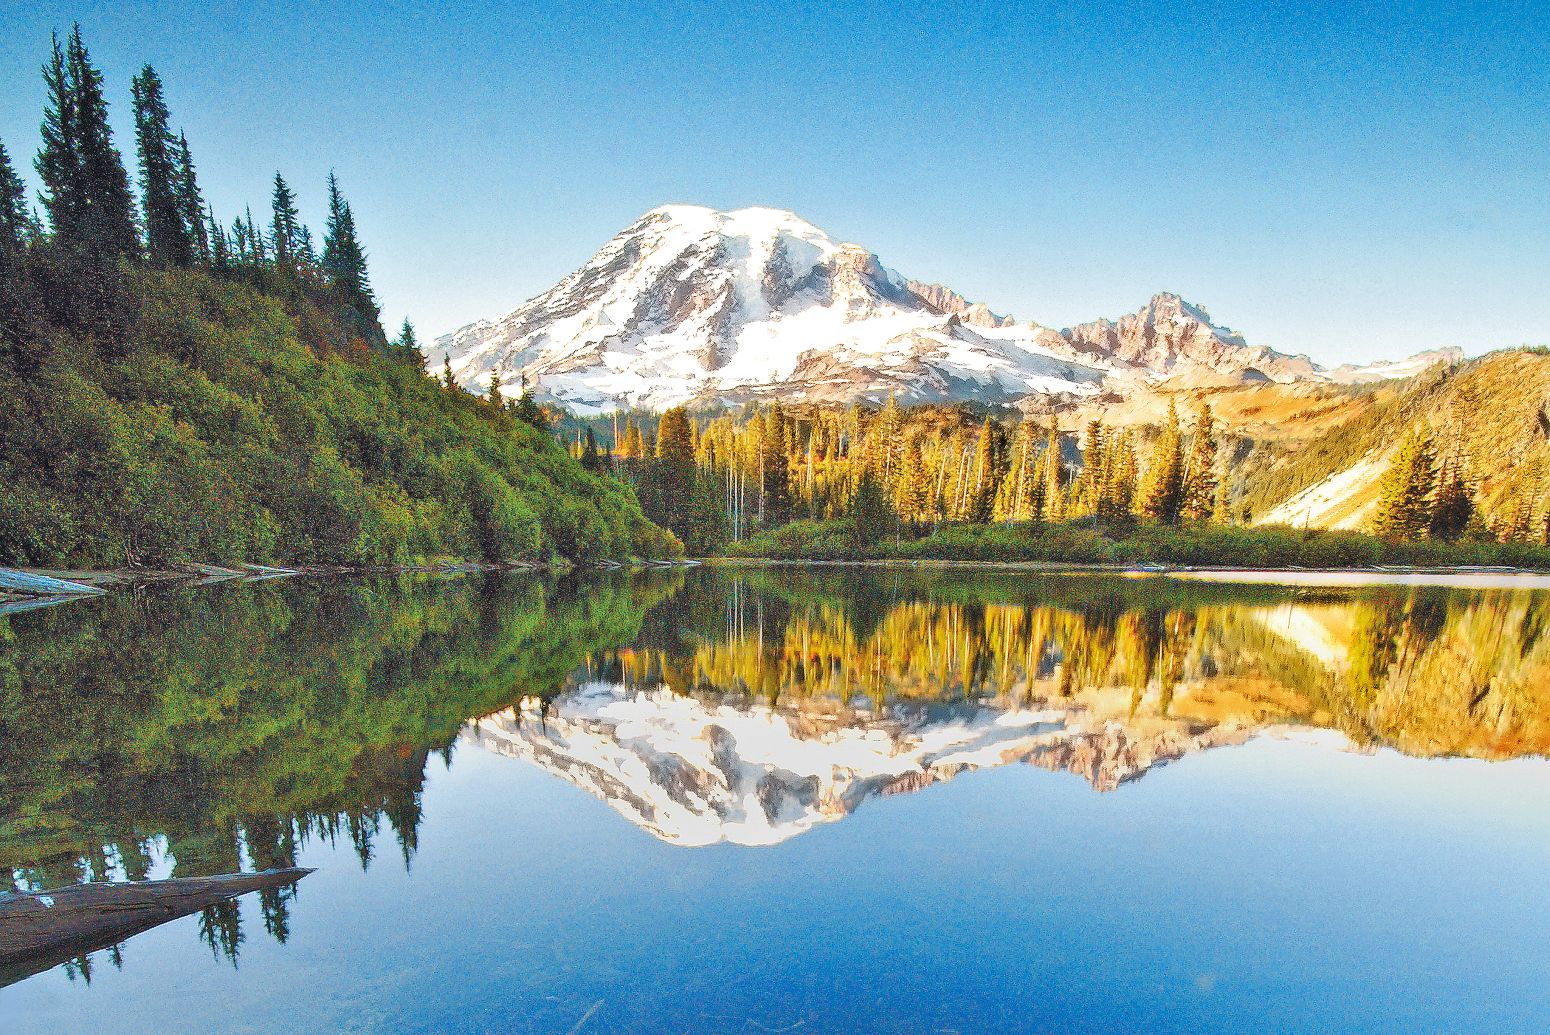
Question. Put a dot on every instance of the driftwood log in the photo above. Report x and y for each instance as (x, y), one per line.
(39, 930)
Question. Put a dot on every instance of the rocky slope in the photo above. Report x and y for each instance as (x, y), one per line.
(690, 304)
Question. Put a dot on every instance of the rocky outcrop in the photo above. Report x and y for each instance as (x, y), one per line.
(1168, 335)
(950, 303)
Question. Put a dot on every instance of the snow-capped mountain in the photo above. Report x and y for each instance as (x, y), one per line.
(691, 304)
(695, 771)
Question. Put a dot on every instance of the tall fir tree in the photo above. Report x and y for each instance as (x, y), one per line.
(285, 227)
(1200, 473)
(169, 241)
(344, 260)
(1454, 505)
(59, 159)
(107, 229)
(191, 203)
(15, 220)
(1405, 491)
(591, 460)
(1164, 492)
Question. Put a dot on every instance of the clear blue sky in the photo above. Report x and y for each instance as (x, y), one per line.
(1347, 180)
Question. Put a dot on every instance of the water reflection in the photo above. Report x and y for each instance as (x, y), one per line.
(219, 729)
(809, 695)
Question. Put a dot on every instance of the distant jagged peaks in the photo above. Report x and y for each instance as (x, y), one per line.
(692, 304)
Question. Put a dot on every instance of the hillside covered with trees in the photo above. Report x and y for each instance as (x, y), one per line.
(177, 389)
(974, 484)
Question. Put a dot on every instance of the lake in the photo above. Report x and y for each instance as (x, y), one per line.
(792, 800)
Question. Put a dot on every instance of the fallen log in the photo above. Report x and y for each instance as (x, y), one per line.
(42, 585)
(39, 930)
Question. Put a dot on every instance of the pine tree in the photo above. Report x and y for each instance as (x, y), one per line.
(446, 372)
(1454, 505)
(344, 259)
(872, 518)
(107, 207)
(15, 221)
(590, 459)
(1090, 482)
(220, 244)
(495, 399)
(1054, 478)
(775, 470)
(528, 411)
(1405, 493)
(1165, 474)
(59, 159)
(191, 204)
(168, 241)
(1199, 492)
(1116, 496)
(285, 227)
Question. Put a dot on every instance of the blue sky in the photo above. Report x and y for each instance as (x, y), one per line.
(1352, 181)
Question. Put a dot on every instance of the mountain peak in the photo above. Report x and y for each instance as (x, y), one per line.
(691, 303)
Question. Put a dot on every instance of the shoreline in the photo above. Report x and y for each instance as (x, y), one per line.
(1462, 576)
(96, 582)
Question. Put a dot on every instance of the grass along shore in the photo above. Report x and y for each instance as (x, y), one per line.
(1081, 543)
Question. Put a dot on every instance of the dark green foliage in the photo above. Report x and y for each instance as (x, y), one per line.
(673, 492)
(872, 517)
(169, 241)
(15, 222)
(191, 205)
(590, 459)
(344, 264)
(285, 228)
(86, 190)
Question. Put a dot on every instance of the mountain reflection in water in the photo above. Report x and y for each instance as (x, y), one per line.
(212, 730)
(801, 704)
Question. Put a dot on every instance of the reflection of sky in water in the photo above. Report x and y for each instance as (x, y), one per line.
(1276, 885)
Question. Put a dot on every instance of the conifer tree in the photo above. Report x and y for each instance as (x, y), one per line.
(496, 402)
(1165, 474)
(191, 203)
(590, 459)
(446, 371)
(528, 411)
(107, 228)
(1405, 492)
(59, 159)
(872, 518)
(1091, 480)
(15, 221)
(775, 471)
(168, 241)
(1054, 477)
(1200, 475)
(85, 188)
(1454, 505)
(1116, 497)
(284, 227)
(220, 245)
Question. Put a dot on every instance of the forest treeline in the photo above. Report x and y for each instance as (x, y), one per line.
(174, 388)
(953, 482)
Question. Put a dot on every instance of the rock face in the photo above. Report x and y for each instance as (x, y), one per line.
(689, 304)
(697, 771)
(1169, 334)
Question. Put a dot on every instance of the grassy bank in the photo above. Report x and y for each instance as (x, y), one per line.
(1081, 543)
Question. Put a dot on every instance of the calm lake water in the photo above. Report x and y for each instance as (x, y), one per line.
(791, 800)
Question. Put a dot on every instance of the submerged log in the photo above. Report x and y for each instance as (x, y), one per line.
(42, 585)
(39, 930)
